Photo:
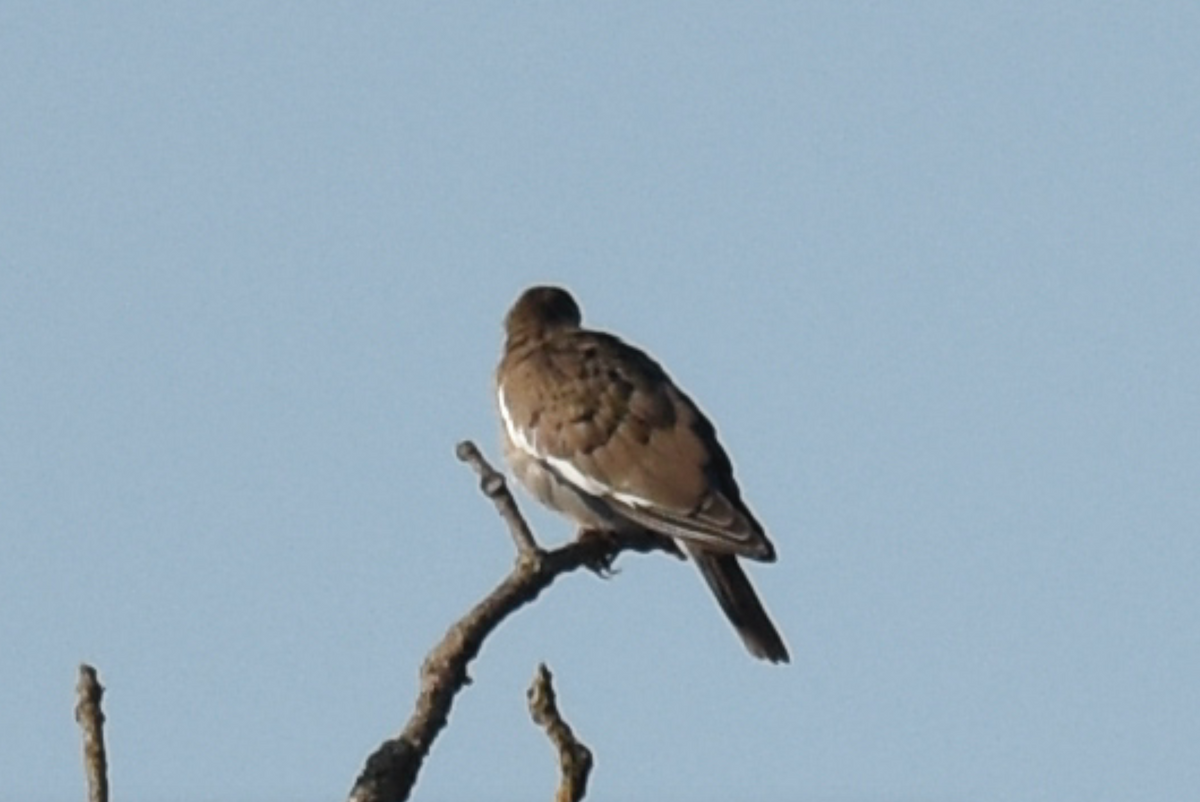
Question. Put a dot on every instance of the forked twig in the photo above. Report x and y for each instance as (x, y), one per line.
(391, 771)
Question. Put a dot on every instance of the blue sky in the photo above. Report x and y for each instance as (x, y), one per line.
(933, 268)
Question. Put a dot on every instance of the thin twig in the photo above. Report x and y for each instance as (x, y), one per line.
(391, 771)
(492, 483)
(88, 692)
(574, 759)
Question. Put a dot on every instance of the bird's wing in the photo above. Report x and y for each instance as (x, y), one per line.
(606, 418)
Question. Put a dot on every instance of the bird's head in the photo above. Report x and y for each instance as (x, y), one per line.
(540, 310)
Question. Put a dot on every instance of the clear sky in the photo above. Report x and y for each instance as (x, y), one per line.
(933, 268)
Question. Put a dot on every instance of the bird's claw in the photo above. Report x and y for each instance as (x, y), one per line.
(601, 562)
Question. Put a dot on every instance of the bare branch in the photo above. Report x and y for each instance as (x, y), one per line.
(88, 692)
(391, 771)
(574, 759)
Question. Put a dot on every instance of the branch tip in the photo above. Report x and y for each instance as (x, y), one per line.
(574, 759)
(88, 693)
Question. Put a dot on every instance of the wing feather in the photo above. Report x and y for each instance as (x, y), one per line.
(612, 423)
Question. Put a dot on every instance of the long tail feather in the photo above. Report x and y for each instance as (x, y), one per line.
(741, 604)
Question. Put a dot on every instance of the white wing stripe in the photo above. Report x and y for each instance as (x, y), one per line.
(570, 473)
(514, 433)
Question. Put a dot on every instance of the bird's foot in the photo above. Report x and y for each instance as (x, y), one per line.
(607, 547)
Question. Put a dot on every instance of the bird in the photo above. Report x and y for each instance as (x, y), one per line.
(595, 429)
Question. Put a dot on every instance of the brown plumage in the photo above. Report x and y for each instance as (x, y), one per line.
(595, 429)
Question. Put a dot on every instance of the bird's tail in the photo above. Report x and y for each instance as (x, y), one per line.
(737, 598)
